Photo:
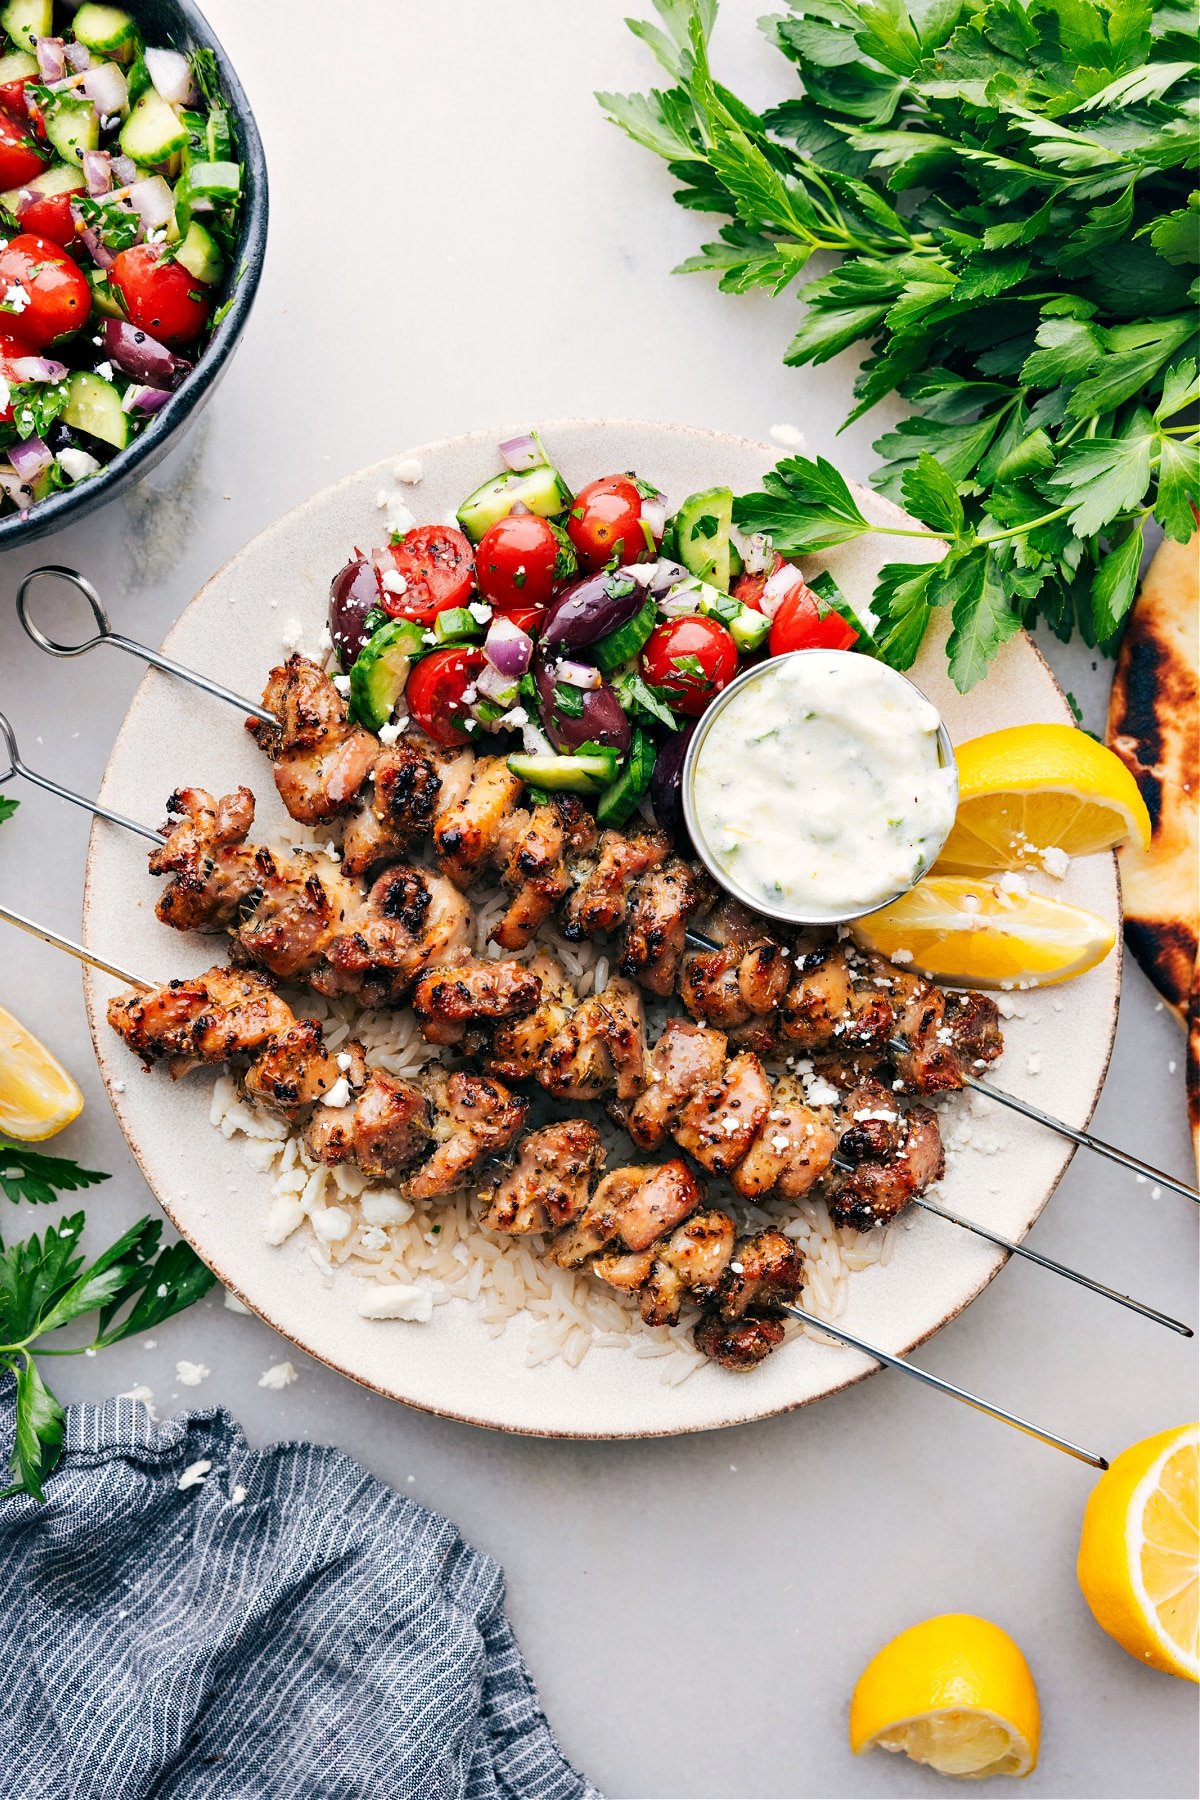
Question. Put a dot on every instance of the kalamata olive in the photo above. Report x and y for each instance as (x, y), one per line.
(589, 610)
(666, 787)
(353, 593)
(599, 719)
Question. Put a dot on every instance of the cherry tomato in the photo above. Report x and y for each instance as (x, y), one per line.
(11, 349)
(161, 298)
(693, 658)
(435, 692)
(528, 618)
(805, 622)
(20, 158)
(12, 98)
(749, 588)
(44, 294)
(437, 568)
(51, 217)
(517, 561)
(606, 521)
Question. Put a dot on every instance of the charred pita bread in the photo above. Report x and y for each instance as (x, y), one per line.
(1154, 727)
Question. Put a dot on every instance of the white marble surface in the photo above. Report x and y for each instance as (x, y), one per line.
(695, 1611)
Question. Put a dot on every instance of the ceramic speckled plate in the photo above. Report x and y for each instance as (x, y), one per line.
(174, 736)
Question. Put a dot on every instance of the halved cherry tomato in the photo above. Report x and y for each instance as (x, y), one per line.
(11, 349)
(20, 157)
(161, 298)
(528, 618)
(606, 521)
(692, 658)
(517, 561)
(805, 622)
(51, 217)
(749, 588)
(45, 295)
(12, 98)
(435, 690)
(436, 565)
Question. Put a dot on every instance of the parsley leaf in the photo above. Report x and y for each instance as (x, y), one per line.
(804, 506)
(642, 701)
(27, 1174)
(8, 807)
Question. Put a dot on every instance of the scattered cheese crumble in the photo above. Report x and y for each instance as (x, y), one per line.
(279, 1375)
(397, 1300)
(195, 1473)
(191, 1374)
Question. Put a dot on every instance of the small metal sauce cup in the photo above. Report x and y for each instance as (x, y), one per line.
(721, 875)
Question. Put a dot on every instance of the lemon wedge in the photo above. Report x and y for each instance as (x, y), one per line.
(954, 1693)
(37, 1096)
(1035, 788)
(987, 933)
(1139, 1555)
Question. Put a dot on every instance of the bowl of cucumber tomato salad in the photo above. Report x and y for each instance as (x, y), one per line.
(133, 209)
(581, 634)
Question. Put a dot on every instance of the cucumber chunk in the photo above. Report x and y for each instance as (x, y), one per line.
(380, 671)
(94, 405)
(702, 527)
(57, 179)
(18, 65)
(27, 20)
(749, 629)
(199, 255)
(106, 29)
(619, 801)
(72, 127)
(611, 651)
(218, 135)
(542, 490)
(105, 299)
(585, 773)
(153, 132)
(457, 625)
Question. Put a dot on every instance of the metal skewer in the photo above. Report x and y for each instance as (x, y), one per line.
(884, 1356)
(104, 634)
(17, 767)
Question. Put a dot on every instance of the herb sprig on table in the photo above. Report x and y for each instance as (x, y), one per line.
(1010, 187)
(46, 1283)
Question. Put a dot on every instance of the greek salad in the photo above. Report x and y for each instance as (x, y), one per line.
(595, 627)
(120, 184)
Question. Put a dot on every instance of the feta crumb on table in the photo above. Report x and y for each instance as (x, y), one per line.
(279, 1375)
(191, 1374)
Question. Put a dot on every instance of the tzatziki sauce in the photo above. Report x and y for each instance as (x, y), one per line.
(817, 788)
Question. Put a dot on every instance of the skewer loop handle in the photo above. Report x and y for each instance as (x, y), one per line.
(73, 579)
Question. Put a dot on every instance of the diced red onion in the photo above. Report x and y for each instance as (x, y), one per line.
(171, 74)
(99, 253)
(682, 599)
(507, 647)
(654, 512)
(30, 457)
(494, 685)
(756, 551)
(662, 575)
(535, 740)
(97, 171)
(124, 169)
(145, 399)
(142, 357)
(521, 453)
(152, 201)
(36, 368)
(51, 58)
(106, 88)
(518, 506)
(777, 588)
(79, 57)
(16, 489)
(578, 675)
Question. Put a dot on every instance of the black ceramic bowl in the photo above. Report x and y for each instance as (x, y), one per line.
(182, 26)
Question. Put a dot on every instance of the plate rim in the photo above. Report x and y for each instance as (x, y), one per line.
(95, 1008)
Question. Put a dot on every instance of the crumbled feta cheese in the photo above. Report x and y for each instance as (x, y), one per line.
(331, 1223)
(77, 464)
(393, 582)
(790, 436)
(342, 684)
(104, 370)
(1056, 862)
(192, 1374)
(394, 729)
(396, 515)
(409, 470)
(279, 1375)
(516, 716)
(1033, 1063)
(233, 1304)
(285, 1215)
(16, 299)
(480, 611)
(1011, 886)
(338, 1095)
(238, 1495)
(194, 1474)
(821, 1093)
(292, 633)
(143, 1395)
(397, 1300)
(383, 1207)
(345, 1061)
(325, 641)
(901, 956)
(779, 1144)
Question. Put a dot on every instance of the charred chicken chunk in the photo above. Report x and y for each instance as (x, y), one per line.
(383, 1128)
(293, 1072)
(746, 977)
(411, 919)
(548, 1186)
(519, 1046)
(399, 815)
(823, 1007)
(631, 1208)
(660, 905)
(320, 759)
(300, 904)
(211, 868)
(765, 1272)
(738, 1346)
(465, 992)
(598, 904)
(793, 1148)
(473, 1117)
(467, 829)
(896, 1156)
(721, 1121)
(219, 1016)
(603, 1041)
(688, 1266)
(532, 851)
(685, 1059)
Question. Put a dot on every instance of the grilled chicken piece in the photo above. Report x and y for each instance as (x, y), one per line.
(300, 904)
(793, 1148)
(631, 1209)
(473, 1117)
(467, 828)
(598, 904)
(738, 1346)
(602, 1042)
(551, 1181)
(823, 1008)
(404, 799)
(383, 1128)
(723, 1118)
(320, 759)
(656, 922)
(518, 1046)
(897, 1155)
(949, 1036)
(465, 992)
(689, 1266)
(214, 1017)
(765, 1272)
(745, 978)
(294, 1071)
(685, 1058)
(411, 919)
(211, 869)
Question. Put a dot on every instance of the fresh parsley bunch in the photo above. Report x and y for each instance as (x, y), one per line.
(1010, 187)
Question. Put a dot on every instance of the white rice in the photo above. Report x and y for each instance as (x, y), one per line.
(369, 1230)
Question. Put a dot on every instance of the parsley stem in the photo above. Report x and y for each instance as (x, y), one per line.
(1027, 525)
